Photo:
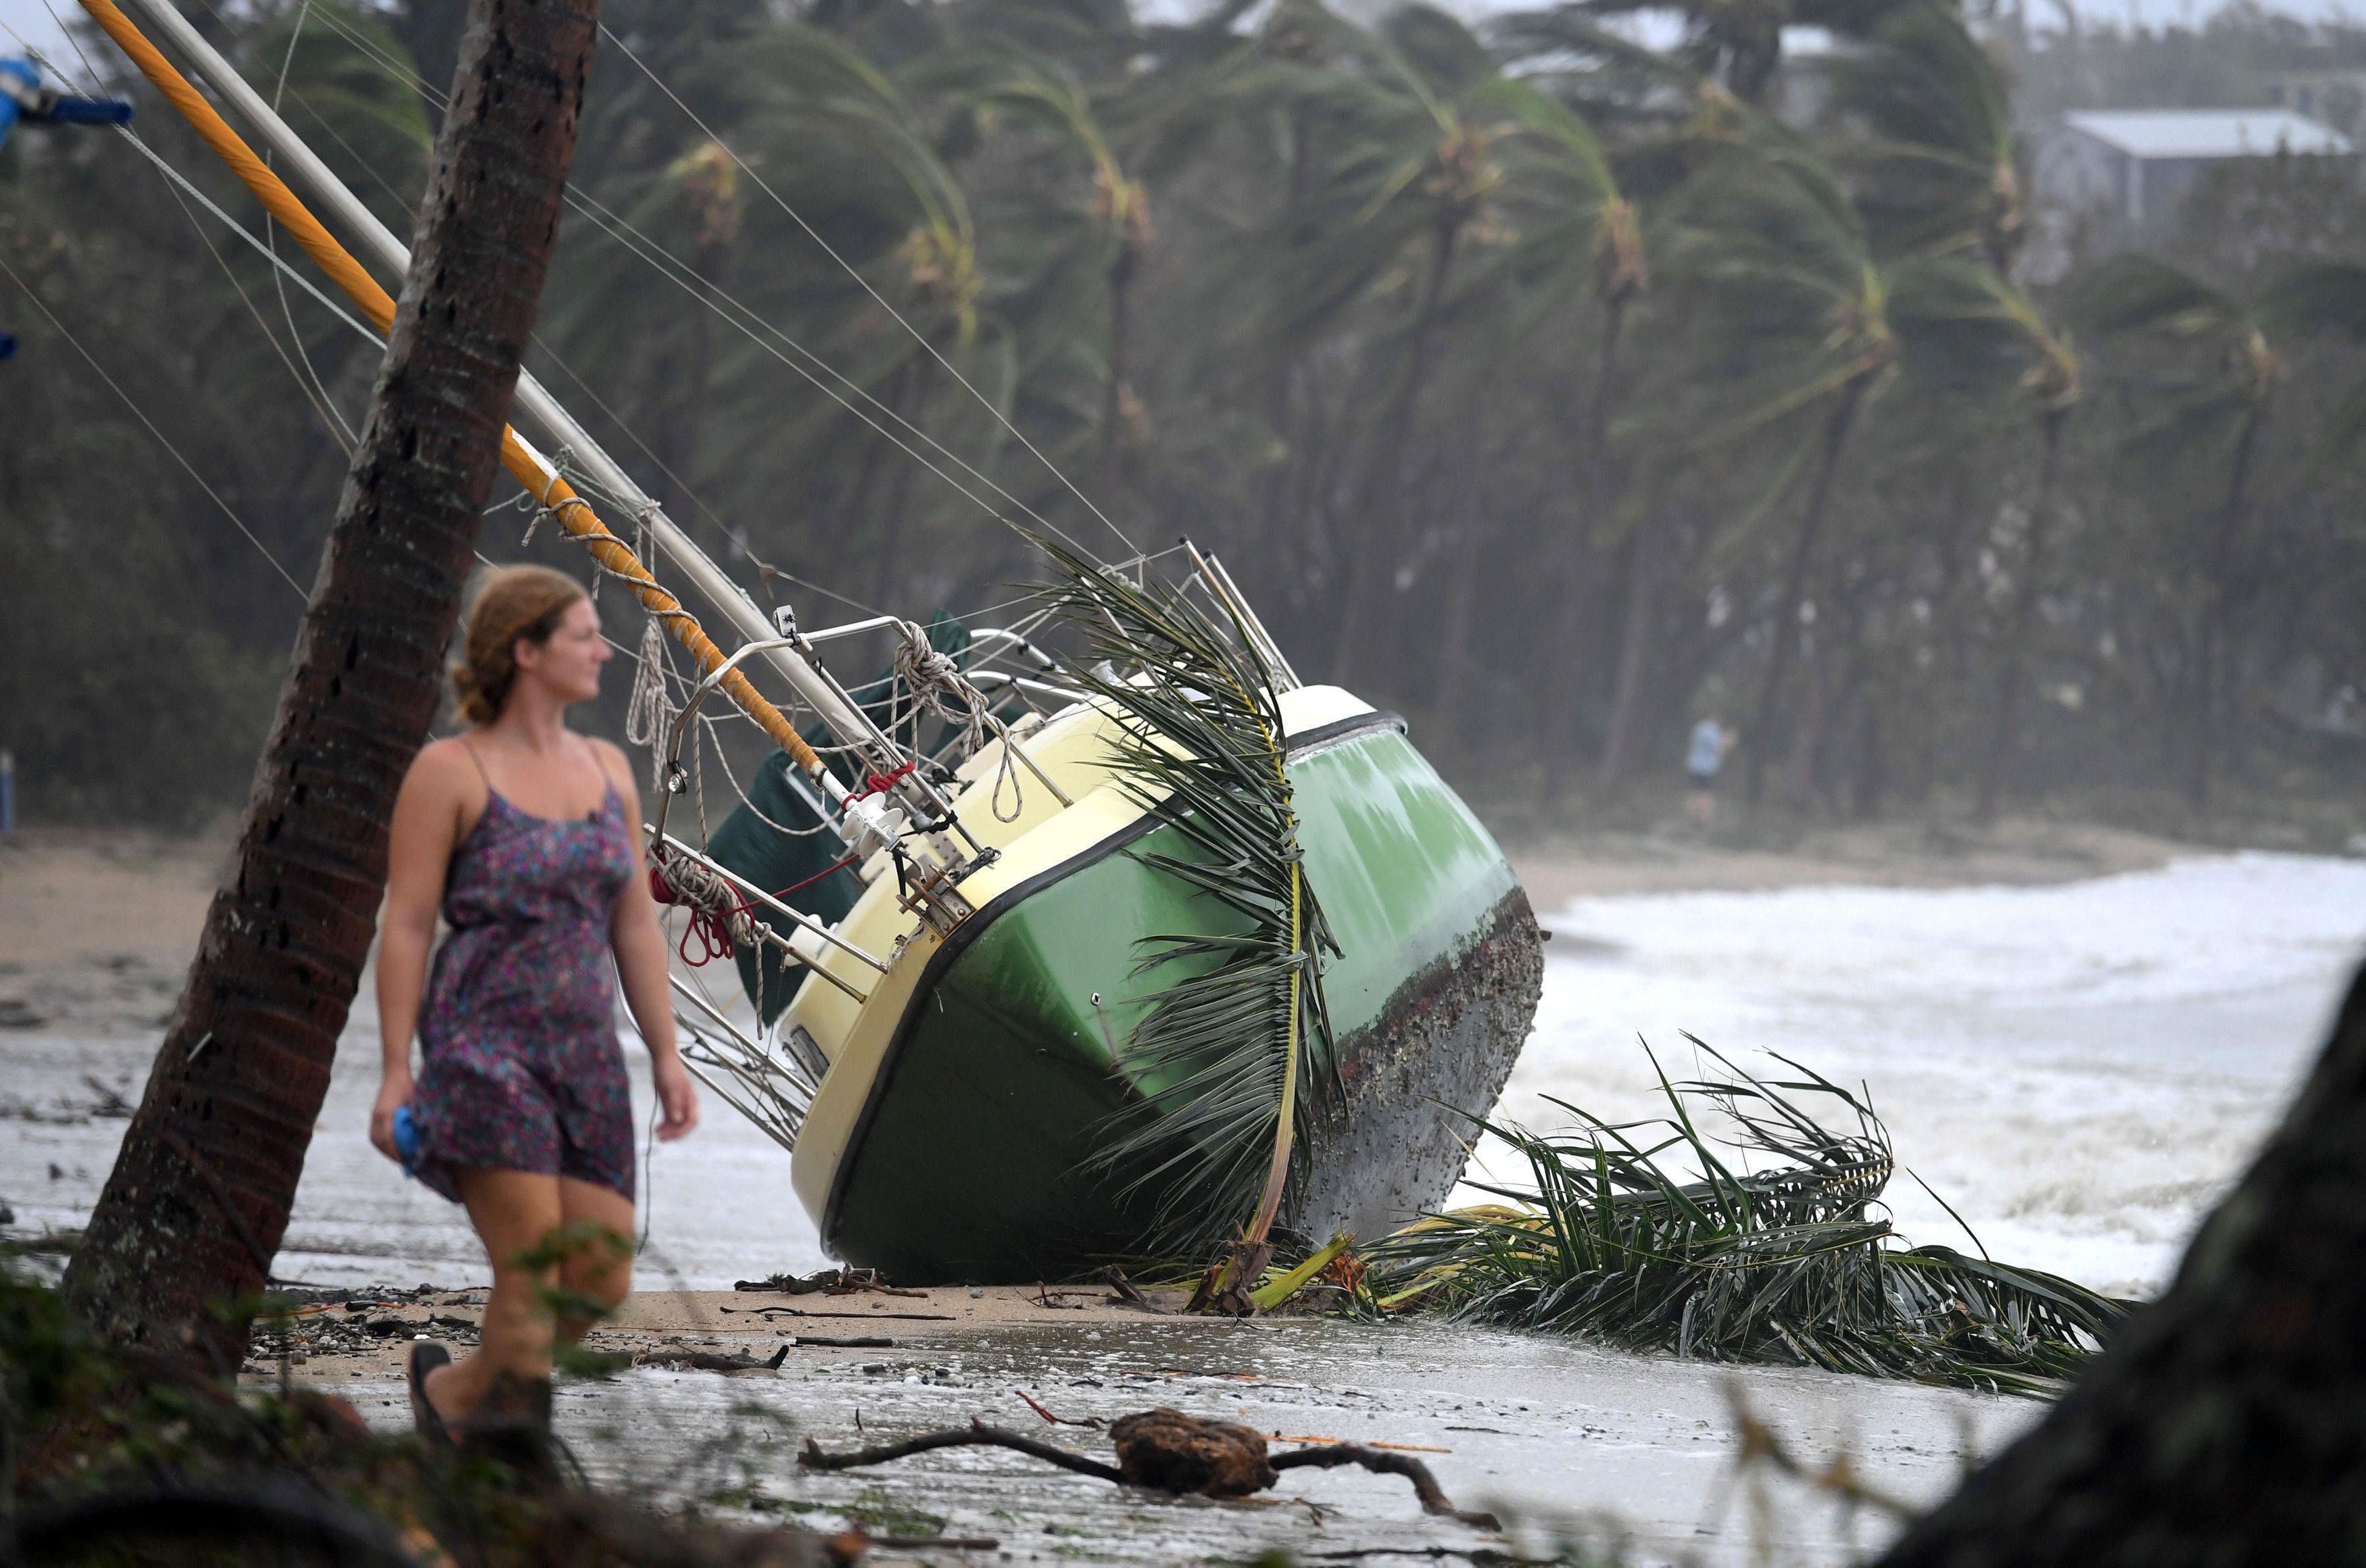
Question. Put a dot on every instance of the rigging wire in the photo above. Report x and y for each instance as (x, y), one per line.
(162, 439)
(320, 404)
(917, 336)
(349, 438)
(712, 297)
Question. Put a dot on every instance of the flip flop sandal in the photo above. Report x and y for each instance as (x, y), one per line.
(425, 1357)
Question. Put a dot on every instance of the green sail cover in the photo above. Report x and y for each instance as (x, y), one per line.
(795, 865)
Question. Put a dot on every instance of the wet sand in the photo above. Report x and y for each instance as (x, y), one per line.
(2016, 852)
(1559, 1437)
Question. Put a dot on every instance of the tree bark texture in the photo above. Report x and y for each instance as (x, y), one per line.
(1996, 756)
(1761, 736)
(1372, 574)
(2228, 1422)
(1602, 480)
(2218, 615)
(193, 1214)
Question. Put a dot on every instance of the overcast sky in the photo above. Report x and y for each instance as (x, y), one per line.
(33, 20)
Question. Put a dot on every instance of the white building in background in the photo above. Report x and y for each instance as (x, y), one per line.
(2138, 164)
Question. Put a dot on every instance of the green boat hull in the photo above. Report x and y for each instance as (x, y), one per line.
(966, 1163)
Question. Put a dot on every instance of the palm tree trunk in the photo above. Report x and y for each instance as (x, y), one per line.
(1994, 755)
(1602, 486)
(1113, 394)
(1373, 572)
(1470, 538)
(197, 1202)
(1761, 737)
(1634, 648)
(2217, 617)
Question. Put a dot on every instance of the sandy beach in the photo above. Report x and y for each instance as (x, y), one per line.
(2014, 852)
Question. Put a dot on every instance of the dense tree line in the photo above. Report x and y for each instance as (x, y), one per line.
(1549, 388)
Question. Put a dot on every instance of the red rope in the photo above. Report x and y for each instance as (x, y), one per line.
(880, 783)
(816, 877)
(712, 927)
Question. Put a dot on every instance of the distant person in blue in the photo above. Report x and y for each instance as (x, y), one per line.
(1704, 756)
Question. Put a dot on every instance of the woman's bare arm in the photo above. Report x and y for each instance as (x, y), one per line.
(435, 797)
(640, 946)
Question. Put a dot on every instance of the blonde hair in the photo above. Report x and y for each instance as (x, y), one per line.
(512, 602)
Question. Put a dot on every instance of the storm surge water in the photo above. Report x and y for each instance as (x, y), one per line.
(2078, 1070)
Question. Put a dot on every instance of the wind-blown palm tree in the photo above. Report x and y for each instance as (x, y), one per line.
(1798, 311)
(2219, 408)
(1415, 135)
(2052, 385)
(1581, 241)
(1112, 229)
(1936, 173)
(1929, 145)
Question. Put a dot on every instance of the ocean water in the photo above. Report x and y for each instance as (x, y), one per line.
(2080, 1070)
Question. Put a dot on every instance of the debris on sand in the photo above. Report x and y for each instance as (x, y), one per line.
(1166, 1450)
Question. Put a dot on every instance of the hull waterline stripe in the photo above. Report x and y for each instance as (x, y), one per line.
(940, 962)
(1320, 738)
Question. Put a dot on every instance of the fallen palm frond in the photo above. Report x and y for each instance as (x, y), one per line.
(1237, 1049)
(1788, 1263)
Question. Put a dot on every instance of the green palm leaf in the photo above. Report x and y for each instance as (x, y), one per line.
(1785, 1262)
(1240, 1040)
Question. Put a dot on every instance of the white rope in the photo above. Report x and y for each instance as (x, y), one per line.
(648, 713)
(934, 684)
(705, 890)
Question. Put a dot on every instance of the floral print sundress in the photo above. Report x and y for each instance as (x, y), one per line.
(522, 1068)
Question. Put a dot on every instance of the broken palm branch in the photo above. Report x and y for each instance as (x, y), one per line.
(1236, 1052)
(1167, 1451)
(1789, 1262)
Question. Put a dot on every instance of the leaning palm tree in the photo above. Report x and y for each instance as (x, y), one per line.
(2049, 386)
(1581, 241)
(2218, 407)
(1796, 319)
(193, 1211)
(1929, 144)
(1416, 128)
(1930, 149)
(851, 151)
(1109, 231)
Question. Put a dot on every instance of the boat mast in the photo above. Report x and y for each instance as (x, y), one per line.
(923, 803)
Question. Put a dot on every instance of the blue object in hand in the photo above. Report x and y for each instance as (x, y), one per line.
(406, 1140)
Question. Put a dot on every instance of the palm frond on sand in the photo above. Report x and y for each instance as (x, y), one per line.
(1238, 1046)
(1791, 1262)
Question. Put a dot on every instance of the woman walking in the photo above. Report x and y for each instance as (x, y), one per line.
(523, 833)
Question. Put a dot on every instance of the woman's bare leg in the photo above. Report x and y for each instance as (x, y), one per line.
(599, 1271)
(513, 1211)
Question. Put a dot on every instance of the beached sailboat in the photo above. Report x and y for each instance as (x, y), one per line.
(1144, 948)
